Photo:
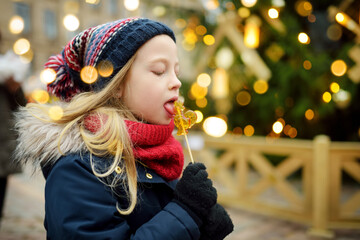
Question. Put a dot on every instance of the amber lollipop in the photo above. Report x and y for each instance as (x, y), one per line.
(184, 121)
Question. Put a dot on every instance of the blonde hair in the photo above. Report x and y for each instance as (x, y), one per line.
(112, 140)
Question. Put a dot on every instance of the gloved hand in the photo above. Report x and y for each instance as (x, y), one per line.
(195, 190)
(218, 224)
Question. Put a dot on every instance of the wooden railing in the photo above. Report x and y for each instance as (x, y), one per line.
(304, 183)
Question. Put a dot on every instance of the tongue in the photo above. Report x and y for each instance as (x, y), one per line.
(169, 107)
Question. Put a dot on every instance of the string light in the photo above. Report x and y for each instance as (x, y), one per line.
(251, 34)
(334, 87)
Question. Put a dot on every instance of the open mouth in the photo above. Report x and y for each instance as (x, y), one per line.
(169, 106)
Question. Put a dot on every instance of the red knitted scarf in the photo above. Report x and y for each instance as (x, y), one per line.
(153, 145)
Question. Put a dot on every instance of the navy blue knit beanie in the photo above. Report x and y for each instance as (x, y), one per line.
(109, 45)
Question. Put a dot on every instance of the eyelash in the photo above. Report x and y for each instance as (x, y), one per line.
(158, 73)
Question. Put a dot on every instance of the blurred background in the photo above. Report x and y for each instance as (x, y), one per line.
(275, 86)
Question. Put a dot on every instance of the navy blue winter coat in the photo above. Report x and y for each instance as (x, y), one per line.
(78, 206)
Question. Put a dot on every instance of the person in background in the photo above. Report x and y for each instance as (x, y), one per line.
(12, 73)
(112, 167)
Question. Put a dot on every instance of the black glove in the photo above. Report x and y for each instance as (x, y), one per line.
(195, 190)
(218, 224)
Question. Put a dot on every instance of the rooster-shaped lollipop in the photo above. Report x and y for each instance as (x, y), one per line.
(184, 121)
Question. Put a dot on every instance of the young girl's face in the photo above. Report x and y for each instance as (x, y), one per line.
(152, 85)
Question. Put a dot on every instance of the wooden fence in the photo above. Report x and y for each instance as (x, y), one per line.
(298, 180)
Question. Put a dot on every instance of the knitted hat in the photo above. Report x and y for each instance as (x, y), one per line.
(112, 43)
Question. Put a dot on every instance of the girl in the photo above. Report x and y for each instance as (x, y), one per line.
(110, 162)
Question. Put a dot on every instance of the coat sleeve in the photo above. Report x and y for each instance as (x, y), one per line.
(78, 206)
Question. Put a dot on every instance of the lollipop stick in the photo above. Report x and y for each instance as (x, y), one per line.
(188, 146)
(186, 139)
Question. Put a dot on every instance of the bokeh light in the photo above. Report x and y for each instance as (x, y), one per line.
(88, 74)
(277, 127)
(303, 8)
(215, 127)
(21, 46)
(243, 12)
(47, 75)
(203, 80)
(303, 38)
(180, 23)
(261, 86)
(220, 86)
(334, 32)
(199, 116)
(105, 68)
(212, 4)
(338, 68)
(16, 25)
(131, 5)
(197, 91)
(201, 103)
(243, 98)
(326, 97)
(249, 130)
(40, 96)
(251, 35)
(248, 3)
(56, 112)
(200, 30)
(334, 87)
(209, 40)
(71, 22)
(273, 13)
(307, 65)
(309, 114)
(224, 58)
(292, 133)
(159, 11)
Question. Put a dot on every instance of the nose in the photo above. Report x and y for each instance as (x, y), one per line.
(175, 83)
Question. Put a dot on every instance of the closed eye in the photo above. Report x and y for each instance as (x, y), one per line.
(158, 73)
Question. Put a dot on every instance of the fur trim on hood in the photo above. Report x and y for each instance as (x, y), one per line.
(38, 140)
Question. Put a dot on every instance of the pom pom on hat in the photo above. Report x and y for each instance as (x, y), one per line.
(115, 43)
